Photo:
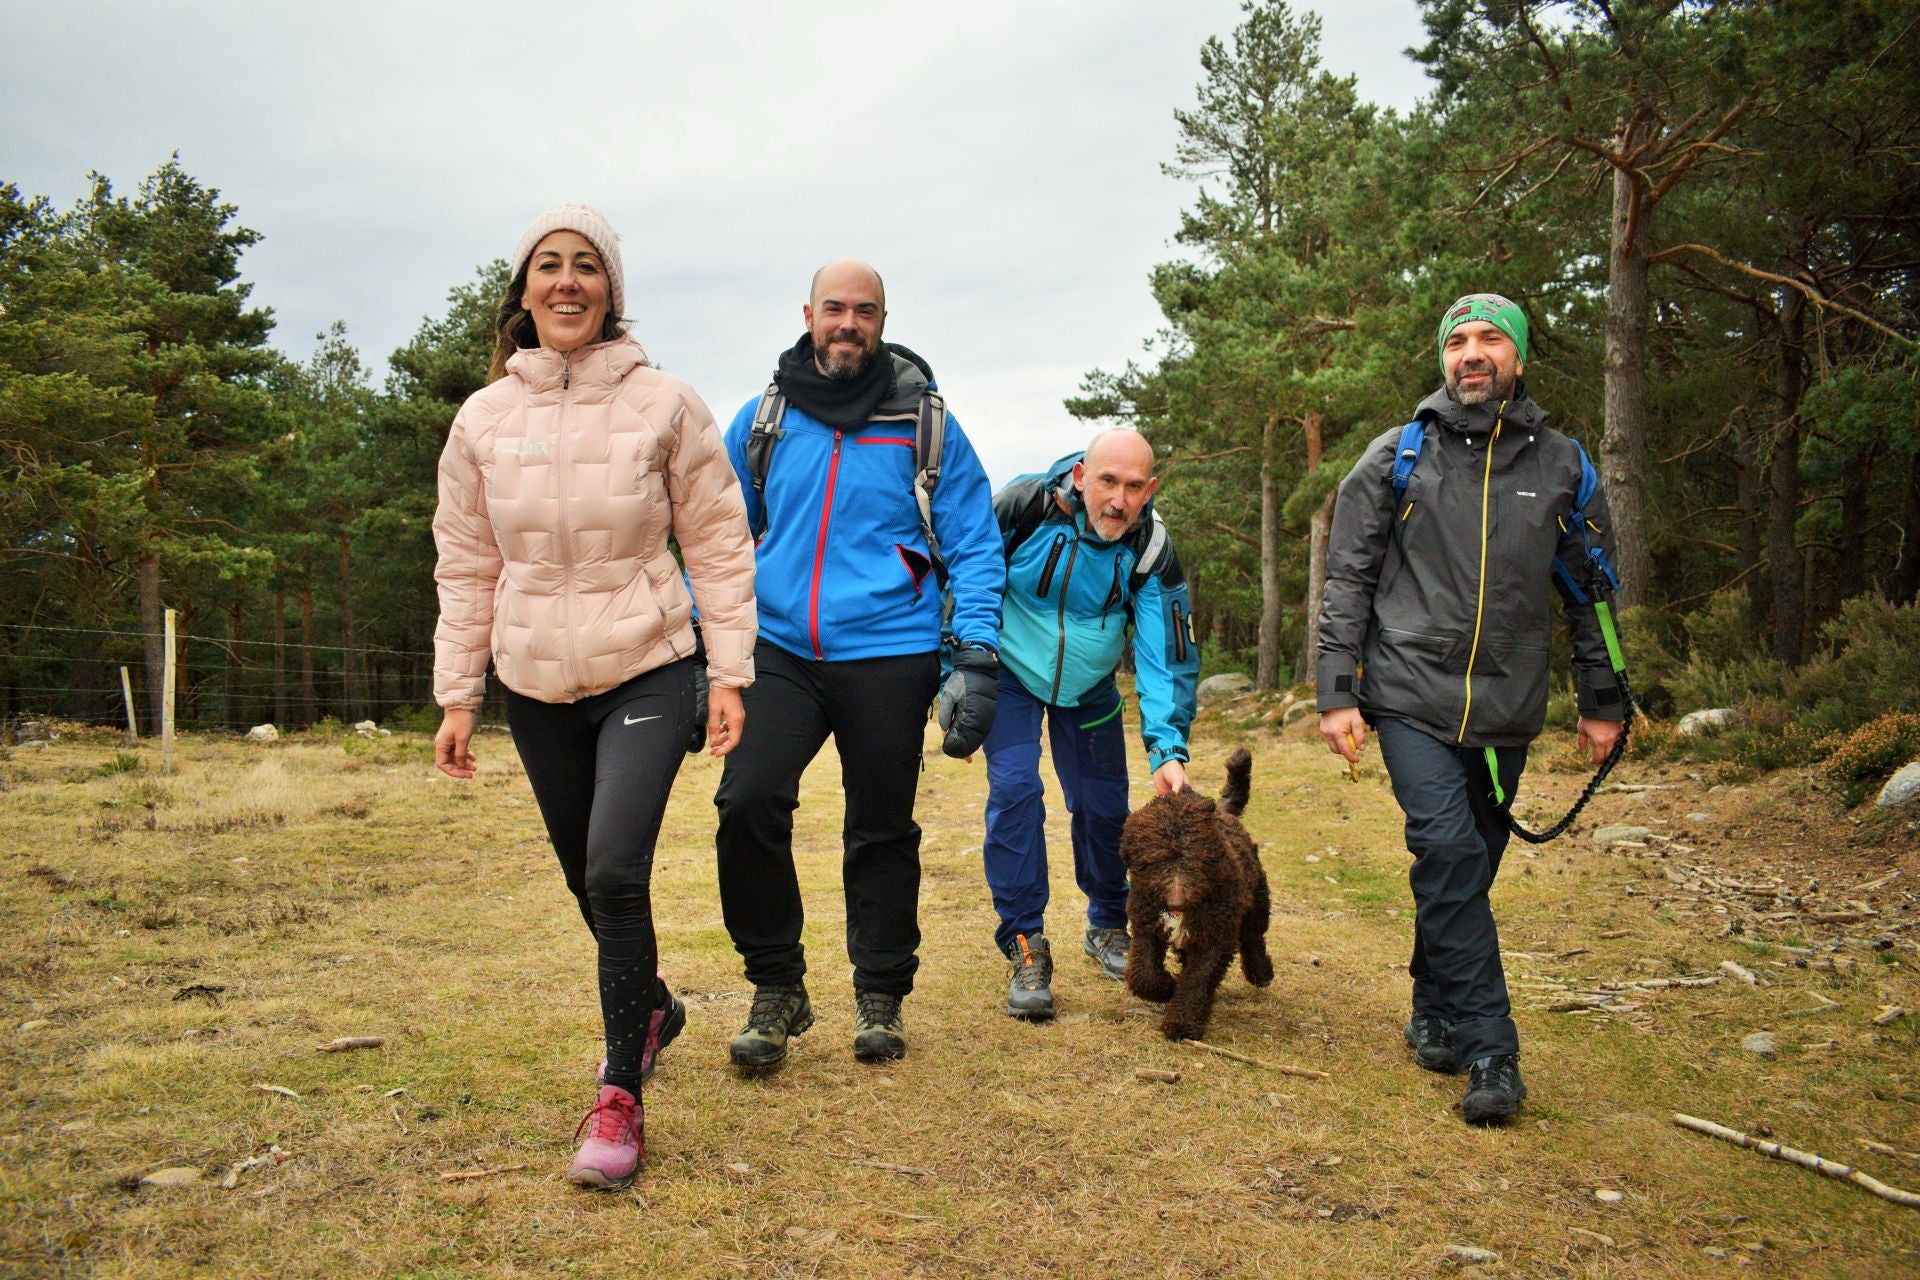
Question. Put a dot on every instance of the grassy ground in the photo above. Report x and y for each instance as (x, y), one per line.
(171, 944)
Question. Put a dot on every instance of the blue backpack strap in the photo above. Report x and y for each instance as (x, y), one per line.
(1406, 457)
(1577, 520)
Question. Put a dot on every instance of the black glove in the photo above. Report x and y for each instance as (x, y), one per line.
(967, 700)
(697, 735)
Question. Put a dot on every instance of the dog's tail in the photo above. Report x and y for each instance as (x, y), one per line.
(1233, 797)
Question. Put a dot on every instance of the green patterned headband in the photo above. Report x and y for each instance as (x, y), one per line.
(1497, 311)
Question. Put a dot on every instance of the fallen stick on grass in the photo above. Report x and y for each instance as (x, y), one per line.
(1155, 1075)
(891, 1167)
(1805, 1159)
(345, 1043)
(1308, 1072)
(467, 1175)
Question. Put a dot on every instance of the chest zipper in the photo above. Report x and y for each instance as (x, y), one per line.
(561, 471)
(1480, 590)
(1060, 620)
(1053, 558)
(820, 545)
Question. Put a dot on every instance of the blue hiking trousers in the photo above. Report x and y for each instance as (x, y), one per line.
(1090, 758)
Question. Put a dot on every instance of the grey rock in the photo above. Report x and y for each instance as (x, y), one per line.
(179, 1176)
(1713, 718)
(263, 733)
(1607, 835)
(1699, 817)
(1902, 788)
(1224, 685)
(1299, 710)
(1763, 1043)
(1470, 1253)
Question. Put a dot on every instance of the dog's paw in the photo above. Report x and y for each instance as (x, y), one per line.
(1180, 1029)
(1258, 968)
(1159, 992)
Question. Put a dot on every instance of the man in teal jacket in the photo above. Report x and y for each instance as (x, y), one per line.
(1088, 561)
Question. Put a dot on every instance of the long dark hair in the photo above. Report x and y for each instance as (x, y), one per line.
(513, 328)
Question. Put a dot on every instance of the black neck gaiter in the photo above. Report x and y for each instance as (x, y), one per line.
(838, 402)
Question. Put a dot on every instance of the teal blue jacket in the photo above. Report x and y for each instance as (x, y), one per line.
(1072, 599)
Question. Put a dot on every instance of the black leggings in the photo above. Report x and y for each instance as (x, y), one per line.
(601, 769)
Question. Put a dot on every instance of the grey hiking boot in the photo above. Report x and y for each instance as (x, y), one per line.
(1432, 1043)
(1109, 947)
(878, 1033)
(778, 1012)
(1494, 1089)
(1030, 993)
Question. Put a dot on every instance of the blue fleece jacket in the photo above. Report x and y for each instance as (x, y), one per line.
(1071, 600)
(843, 569)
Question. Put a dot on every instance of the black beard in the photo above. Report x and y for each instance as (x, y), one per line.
(844, 368)
(1498, 389)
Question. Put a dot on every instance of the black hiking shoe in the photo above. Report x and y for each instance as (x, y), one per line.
(1494, 1089)
(1109, 947)
(778, 1012)
(1432, 1043)
(1030, 993)
(878, 1033)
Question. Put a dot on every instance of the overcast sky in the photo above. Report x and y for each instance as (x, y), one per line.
(999, 162)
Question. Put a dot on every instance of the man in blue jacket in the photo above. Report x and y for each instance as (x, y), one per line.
(849, 584)
(1088, 561)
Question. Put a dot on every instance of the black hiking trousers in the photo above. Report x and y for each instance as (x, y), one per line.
(876, 711)
(1456, 834)
(601, 769)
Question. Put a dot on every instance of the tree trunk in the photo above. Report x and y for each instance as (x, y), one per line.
(1267, 668)
(1905, 587)
(234, 713)
(309, 700)
(1784, 563)
(1750, 482)
(1850, 552)
(1623, 444)
(154, 642)
(280, 716)
(349, 644)
(1318, 530)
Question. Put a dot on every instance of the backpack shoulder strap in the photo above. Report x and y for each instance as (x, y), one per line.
(1407, 456)
(929, 443)
(761, 439)
(1153, 557)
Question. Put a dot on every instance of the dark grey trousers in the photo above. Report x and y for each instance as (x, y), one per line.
(1456, 835)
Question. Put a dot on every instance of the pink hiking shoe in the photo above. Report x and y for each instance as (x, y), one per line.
(663, 1027)
(616, 1141)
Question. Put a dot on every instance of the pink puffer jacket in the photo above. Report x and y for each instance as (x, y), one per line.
(559, 487)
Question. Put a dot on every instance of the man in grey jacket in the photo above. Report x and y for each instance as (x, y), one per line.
(1436, 631)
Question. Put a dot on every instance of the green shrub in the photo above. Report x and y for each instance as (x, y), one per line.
(1861, 761)
(1724, 668)
(425, 719)
(1870, 665)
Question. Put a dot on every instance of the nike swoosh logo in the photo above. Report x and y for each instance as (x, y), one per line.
(638, 719)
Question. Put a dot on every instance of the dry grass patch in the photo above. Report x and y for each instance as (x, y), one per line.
(176, 943)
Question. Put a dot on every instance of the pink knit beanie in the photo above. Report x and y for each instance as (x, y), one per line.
(589, 222)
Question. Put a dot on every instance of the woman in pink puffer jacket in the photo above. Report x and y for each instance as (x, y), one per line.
(561, 484)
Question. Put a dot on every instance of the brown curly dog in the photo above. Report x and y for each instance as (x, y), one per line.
(1199, 890)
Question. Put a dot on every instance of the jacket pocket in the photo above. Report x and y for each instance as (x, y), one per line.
(918, 566)
(1053, 562)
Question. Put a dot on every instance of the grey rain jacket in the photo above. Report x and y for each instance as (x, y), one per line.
(1438, 613)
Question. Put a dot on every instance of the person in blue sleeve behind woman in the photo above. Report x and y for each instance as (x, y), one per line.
(849, 582)
(1089, 564)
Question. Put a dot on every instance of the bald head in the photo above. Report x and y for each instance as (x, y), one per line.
(1115, 480)
(847, 272)
(846, 313)
(1117, 445)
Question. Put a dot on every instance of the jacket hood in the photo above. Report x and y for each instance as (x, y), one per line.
(1441, 407)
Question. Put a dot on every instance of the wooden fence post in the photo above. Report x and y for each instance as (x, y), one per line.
(166, 703)
(126, 691)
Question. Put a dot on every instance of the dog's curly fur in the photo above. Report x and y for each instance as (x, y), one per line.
(1194, 867)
